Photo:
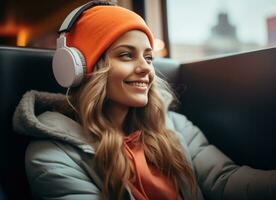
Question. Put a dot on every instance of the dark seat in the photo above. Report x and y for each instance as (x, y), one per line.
(231, 99)
(20, 70)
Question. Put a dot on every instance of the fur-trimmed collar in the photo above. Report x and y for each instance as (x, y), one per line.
(34, 116)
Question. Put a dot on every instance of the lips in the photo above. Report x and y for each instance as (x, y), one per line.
(138, 83)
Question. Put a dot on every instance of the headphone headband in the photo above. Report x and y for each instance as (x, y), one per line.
(75, 14)
(69, 64)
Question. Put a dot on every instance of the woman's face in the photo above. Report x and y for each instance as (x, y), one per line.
(131, 73)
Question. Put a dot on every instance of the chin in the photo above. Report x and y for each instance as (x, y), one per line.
(141, 103)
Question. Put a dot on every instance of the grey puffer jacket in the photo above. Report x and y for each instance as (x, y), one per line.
(59, 159)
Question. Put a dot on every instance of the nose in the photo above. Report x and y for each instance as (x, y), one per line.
(143, 67)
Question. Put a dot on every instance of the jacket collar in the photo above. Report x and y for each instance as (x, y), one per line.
(34, 117)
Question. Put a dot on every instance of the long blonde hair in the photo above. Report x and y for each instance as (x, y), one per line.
(110, 159)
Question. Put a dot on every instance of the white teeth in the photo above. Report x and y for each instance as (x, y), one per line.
(138, 84)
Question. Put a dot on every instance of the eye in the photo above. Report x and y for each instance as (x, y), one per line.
(125, 55)
(149, 58)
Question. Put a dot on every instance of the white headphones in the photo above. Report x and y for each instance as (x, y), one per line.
(69, 64)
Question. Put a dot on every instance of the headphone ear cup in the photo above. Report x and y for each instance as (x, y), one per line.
(68, 66)
(81, 56)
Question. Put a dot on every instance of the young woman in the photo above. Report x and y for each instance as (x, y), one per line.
(113, 138)
(116, 146)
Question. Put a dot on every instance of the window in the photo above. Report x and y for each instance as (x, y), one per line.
(200, 29)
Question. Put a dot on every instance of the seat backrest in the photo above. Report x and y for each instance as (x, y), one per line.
(23, 69)
(233, 101)
(20, 70)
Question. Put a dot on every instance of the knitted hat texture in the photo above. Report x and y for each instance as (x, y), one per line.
(100, 26)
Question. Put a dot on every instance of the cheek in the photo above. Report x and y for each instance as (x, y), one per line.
(119, 71)
(115, 83)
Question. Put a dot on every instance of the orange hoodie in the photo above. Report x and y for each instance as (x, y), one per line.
(149, 183)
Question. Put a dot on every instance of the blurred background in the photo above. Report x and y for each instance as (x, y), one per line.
(185, 30)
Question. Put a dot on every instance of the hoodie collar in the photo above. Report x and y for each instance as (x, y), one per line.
(34, 116)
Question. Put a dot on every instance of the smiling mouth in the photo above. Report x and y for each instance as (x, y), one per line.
(136, 84)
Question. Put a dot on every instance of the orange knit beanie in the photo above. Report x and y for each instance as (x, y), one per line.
(100, 26)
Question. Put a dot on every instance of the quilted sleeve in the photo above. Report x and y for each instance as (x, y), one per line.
(53, 175)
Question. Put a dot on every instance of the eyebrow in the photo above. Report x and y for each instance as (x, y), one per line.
(130, 47)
